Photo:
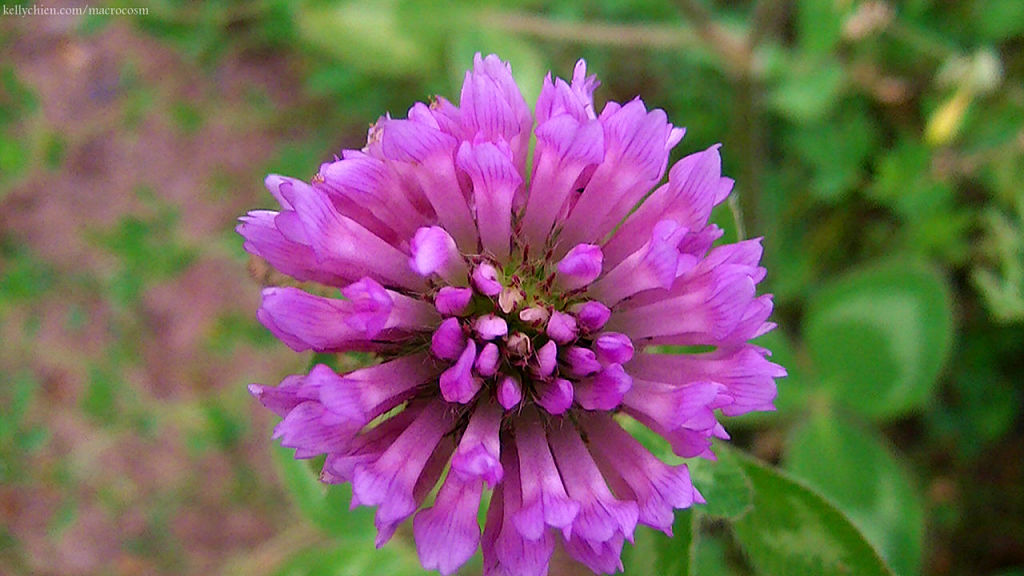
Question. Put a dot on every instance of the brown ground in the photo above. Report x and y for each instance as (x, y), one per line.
(146, 490)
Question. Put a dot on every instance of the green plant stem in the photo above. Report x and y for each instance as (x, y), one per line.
(737, 55)
(734, 50)
(764, 21)
(921, 41)
(621, 35)
(747, 134)
(269, 557)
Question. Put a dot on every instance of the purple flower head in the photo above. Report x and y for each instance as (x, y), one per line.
(518, 311)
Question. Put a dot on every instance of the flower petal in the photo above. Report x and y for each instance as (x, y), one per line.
(458, 383)
(495, 183)
(447, 534)
(579, 267)
(545, 501)
(479, 451)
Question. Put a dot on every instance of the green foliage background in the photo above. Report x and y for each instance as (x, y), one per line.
(878, 148)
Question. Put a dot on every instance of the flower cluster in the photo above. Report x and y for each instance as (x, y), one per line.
(518, 311)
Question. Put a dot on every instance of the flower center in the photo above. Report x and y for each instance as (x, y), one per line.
(524, 335)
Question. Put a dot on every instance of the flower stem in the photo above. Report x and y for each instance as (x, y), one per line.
(623, 35)
(734, 50)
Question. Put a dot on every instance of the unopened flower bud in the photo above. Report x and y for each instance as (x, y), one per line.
(510, 392)
(485, 279)
(509, 299)
(534, 315)
(518, 344)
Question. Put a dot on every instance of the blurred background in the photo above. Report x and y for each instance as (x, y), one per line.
(878, 147)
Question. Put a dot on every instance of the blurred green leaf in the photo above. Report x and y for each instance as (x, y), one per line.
(327, 507)
(14, 158)
(724, 217)
(793, 530)
(352, 93)
(232, 328)
(187, 117)
(17, 100)
(349, 558)
(982, 402)
(997, 20)
(299, 159)
(855, 469)
(15, 400)
(18, 105)
(224, 427)
(836, 150)
(1001, 280)
(691, 88)
(807, 90)
(324, 560)
(368, 36)
(723, 483)
(789, 257)
(101, 399)
(63, 518)
(277, 27)
(905, 182)
(147, 248)
(711, 555)
(943, 234)
(879, 337)
(54, 150)
(820, 25)
(656, 553)
(24, 275)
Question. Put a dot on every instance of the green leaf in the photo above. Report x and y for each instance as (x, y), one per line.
(101, 399)
(999, 275)
(327, 507)
(54, 150)
(25, 276)
(711, 553)
(368, 36)
(997, 20)
(793, 530)
(299, 159)
(906, 183)
(944, 234)
(723, 483)
(724, 216)
(653, 552)
(837, 164)
(14, 157)
(820, 25)
(17, 100)
(880, 336)
(807, 90)
(348, 559)
(855, 468)
(187, 117)
(317, 561)
(15, 400)
(983, 400)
